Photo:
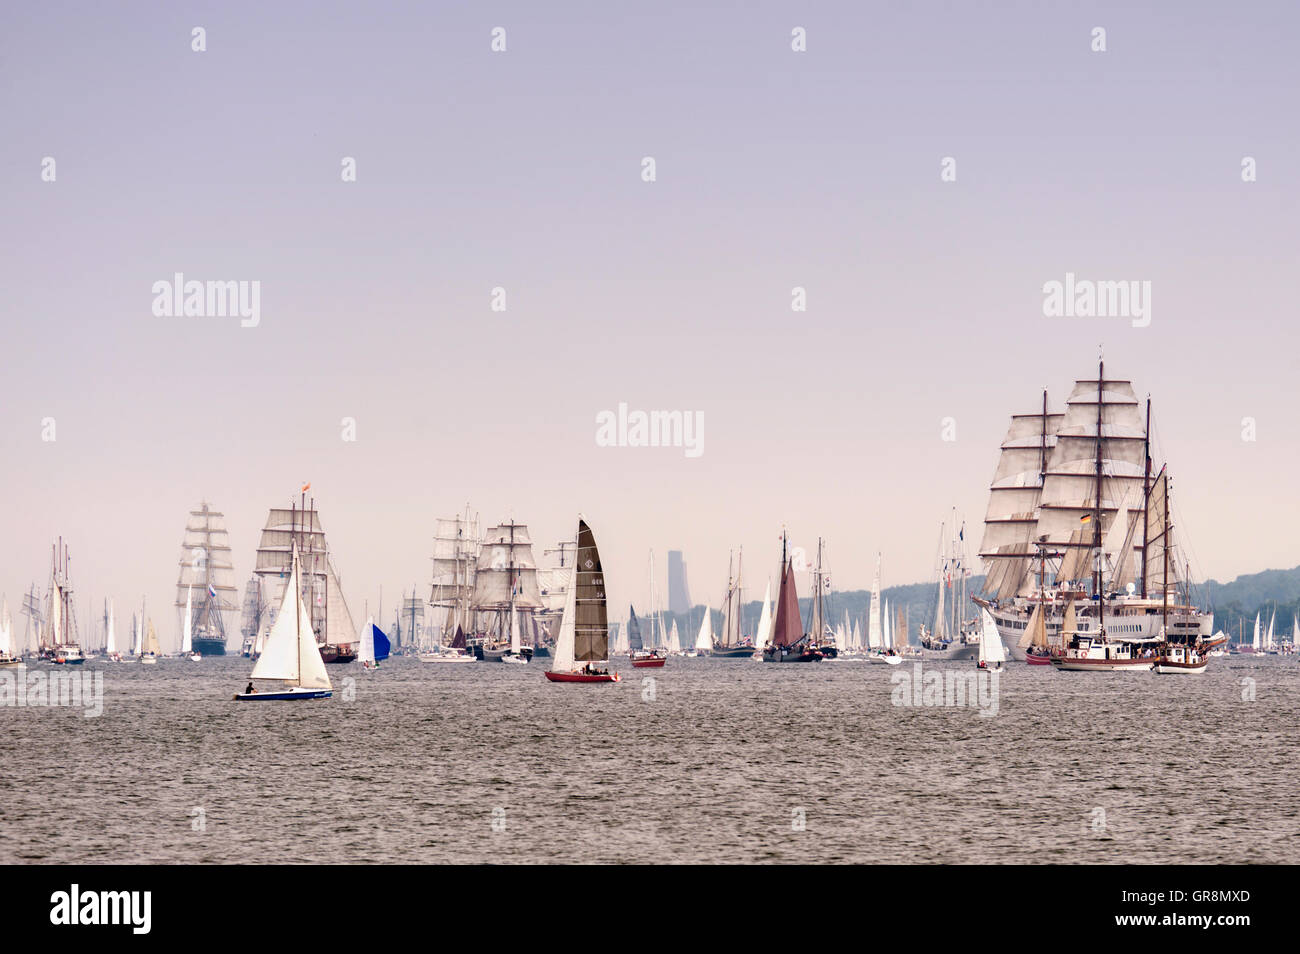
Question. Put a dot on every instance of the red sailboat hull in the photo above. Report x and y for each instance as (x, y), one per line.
(1038, 660)
(581, 677)
(656, 662)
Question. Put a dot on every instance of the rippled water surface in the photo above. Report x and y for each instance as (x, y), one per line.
(716, 760)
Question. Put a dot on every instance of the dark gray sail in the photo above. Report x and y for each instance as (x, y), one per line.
(633, 630)
(591, 624)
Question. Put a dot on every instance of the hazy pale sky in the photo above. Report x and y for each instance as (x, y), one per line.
(522, 169)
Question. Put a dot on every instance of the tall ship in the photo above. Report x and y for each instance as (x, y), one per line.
(1078, 524)
(255, 617)
(506, 594)
(331, 621)
(205, 587)
(731, 642)
(953, 635)
(554, 582)
(455, 560)
(58, 639)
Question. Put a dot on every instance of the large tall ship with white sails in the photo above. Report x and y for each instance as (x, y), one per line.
(331, 620)
(206, 584)
(1078, 522)
(506, 594)
(58, 635)
(455, 560)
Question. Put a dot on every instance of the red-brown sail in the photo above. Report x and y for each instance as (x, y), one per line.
(787, 625)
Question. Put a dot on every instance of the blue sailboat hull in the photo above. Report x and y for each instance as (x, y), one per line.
(284, 695)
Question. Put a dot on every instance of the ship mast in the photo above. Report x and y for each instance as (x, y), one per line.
(1096, 516)
(1146, 494)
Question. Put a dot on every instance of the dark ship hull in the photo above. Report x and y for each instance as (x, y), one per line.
(344, 653)
(209, 645)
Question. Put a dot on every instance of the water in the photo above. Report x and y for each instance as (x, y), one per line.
(491, 763)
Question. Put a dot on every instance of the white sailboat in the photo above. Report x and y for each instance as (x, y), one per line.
(187, 629)
(875, 637)
(764, 632)
(110, 633)
(1255, 642)
(151, 650)
(8, 652)
(367, 651)
(290, 657)
(704, 639)
(515, 654)
(992, 653)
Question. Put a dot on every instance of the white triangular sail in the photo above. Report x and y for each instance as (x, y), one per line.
(564, 643)
(187, 629)
(991, 648)
(704, 641)
(151, 641)
(856, 639)
(1268, 642)
(765, 619)
(290, 653)
(515, 646)
(7, 631)
(110, 635)
(367, 654)
(1255, 641)
(888, 636)
(674, 641)
(137, 637)
(1036, 632)
(874, 639)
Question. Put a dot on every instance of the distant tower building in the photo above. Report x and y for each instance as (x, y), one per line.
(679, 594)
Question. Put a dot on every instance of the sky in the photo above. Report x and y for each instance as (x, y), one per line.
(523, 170)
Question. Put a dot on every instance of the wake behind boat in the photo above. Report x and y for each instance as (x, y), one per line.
(584, 630)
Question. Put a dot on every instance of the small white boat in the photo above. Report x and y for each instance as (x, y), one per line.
(446, 656)
(514, 660)
(1181, 660)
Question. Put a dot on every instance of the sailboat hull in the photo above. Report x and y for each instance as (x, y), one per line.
(491, 654)
(650, 662)
(732, 652)
(1034, 660)
(1071, 664)
(582, 677)
(284, 695)
(1170, 668)
(806, 656)
(342, 653)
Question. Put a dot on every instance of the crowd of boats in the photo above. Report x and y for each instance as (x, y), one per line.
(1082, 574)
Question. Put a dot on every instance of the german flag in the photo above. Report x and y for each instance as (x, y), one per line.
(1085, 518)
